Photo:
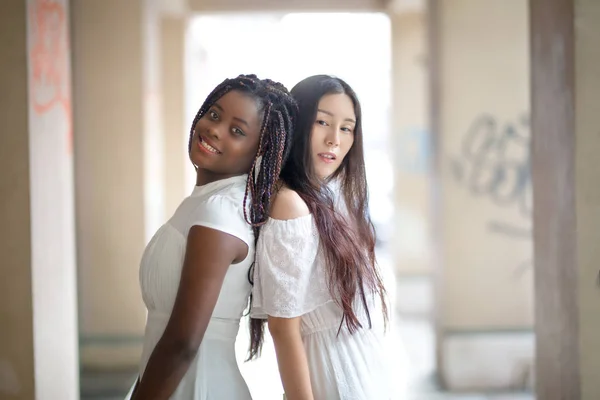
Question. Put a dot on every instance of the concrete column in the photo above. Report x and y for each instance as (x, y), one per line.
(410, 137)
(37, 285)
(484, 299)
(587, 120)
(118, 148)
(175, 125)
(565, 95)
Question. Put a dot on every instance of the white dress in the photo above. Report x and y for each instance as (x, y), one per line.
(290, 280)
(214, 373)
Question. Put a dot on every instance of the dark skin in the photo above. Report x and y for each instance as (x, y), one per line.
(231, 127)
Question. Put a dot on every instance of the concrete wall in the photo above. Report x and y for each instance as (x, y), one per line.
(17, 379)
(38, 284)
(290, 5)
(110, 112)
(484, 299)
(175, 125)
(130, 160)
(412, 159)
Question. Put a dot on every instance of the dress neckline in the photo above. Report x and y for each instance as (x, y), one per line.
(211, 186)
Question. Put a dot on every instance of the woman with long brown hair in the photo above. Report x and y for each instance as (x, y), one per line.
(316, 280)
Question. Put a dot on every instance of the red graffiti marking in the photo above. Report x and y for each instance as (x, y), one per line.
(49, 54)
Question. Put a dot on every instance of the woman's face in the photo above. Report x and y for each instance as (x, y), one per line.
(332, 134)
(225, 139)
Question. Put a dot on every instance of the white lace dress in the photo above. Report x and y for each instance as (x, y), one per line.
(214, 373)
(290, 280)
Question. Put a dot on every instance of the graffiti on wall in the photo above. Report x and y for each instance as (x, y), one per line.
(412, 153)
(494, 164)
(50, 87)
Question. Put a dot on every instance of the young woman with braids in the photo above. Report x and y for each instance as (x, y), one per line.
(315, 277)
(194, 272)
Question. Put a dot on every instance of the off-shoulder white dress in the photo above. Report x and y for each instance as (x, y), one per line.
(214, 373)
(290, 281)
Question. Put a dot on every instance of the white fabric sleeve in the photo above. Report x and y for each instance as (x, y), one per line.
(223, 214)
(290, 278)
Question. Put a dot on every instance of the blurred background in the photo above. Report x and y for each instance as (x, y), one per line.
(97, 104)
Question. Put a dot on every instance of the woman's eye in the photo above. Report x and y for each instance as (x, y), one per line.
(321, 122)
(238, 132)
(213, 115)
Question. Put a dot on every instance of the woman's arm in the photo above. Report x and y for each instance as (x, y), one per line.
(208, 255)
(291, 358)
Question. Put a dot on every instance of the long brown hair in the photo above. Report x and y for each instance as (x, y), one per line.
(348, 244)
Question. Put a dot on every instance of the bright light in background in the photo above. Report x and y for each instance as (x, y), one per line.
(354, 47)
(288, 48)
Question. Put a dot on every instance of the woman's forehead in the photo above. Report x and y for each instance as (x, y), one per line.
(240, 106)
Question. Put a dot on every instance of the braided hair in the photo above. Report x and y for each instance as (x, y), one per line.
(279, 110)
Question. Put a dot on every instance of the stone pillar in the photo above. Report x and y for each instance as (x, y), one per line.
(119, 167)
(484, 296)
(410, 138)
(38, 281)
(565, 120)
(175, 125)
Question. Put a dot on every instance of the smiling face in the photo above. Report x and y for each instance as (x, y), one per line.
(225, 139)
(332, 134)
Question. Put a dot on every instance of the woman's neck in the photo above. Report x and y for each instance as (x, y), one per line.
(204, 177)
